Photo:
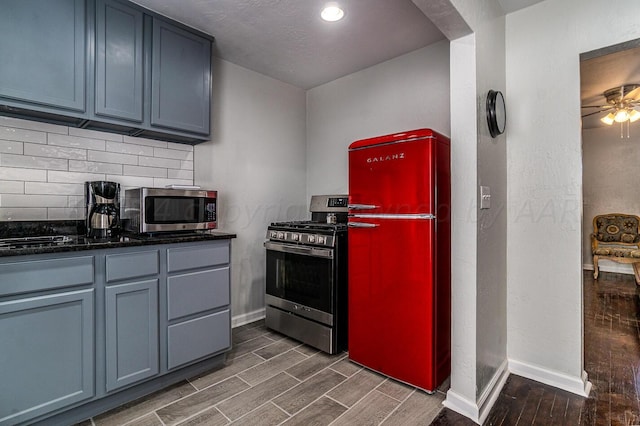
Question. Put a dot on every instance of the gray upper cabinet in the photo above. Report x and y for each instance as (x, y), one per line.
(119, 61)
(107, 65)
(43, 49)
(180, 79)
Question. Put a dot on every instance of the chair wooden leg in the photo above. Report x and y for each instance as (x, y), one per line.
(595, 267)
(636, 271)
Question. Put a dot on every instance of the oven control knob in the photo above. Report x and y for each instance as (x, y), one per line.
(295, 237)
(280, 235)
(273, 234)
(322, 240)
(312, 238)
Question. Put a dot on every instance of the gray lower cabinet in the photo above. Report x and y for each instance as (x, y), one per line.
(197, 302)
(43, 46)
(131, 312)
(47, 355)
(79, 331)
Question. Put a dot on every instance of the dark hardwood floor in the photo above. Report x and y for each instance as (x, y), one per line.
(612, 360)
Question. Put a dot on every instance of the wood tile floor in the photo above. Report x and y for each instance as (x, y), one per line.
(269, 379)
(612, 361)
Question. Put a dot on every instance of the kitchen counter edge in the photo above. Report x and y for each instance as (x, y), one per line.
(123, 242)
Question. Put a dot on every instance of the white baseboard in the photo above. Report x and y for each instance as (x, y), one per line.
(479, 410)
(578, 385)
(243, 319)
(609, 266)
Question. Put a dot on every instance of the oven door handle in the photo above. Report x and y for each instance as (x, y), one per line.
(305, 251)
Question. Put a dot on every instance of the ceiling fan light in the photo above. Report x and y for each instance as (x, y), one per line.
(634, 115)
(621, 116)
(608, 119)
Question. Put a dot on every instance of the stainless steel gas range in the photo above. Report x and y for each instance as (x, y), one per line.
(306, 277)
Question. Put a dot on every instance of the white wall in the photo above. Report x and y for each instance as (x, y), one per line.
(43, 167)
(544, 242)
(479, 312)
(405, 93)
(256, 160)
(610, 182)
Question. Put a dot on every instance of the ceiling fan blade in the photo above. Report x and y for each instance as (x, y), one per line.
(633, 94)
(596, 106)
(596, 112)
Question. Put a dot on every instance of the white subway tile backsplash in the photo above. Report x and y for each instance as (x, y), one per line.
(129, 148)
(33, 125)
(95, 134)
(53, 188)
(22, 200)
(64, 177)
(65, 213)
(180, 174)
(11, 187)
(23, 213)
(144, 141)
(131, 181)
(75, 142)
(95, 167)
(13, 173)
(43, 167)
(186, 165)
(159, 162)
(55, 151)
(32, 162)
(22, 135)
(145, 171)
(112, 157)
(11, 147)
(173, 153)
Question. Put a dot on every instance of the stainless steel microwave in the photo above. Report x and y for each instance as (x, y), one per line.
(149, 210)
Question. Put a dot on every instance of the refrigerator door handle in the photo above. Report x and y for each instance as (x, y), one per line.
(361, 225)
(418, 216)
(362, 206)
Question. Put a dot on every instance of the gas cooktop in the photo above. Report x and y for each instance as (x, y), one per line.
(40, 241)
(310, 225)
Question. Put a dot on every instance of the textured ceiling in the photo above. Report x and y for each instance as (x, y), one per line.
(287, 40)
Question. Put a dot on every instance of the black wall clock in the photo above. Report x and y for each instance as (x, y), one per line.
(496, 113)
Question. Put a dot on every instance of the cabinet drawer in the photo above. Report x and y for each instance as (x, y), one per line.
(197, 338)
(197, 292)
(132, 265)
(36, 275)
(182, 258)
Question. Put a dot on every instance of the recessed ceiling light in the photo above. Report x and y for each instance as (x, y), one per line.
(332, 13)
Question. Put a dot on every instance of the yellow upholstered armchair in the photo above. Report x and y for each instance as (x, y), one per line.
(615, 237)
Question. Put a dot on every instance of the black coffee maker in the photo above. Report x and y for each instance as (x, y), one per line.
(103, 209)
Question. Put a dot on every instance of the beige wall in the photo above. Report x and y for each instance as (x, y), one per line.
(610, 176)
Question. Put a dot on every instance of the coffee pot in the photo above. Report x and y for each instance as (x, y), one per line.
(102, 209)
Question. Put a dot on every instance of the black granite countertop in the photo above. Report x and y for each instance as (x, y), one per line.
(74, 240)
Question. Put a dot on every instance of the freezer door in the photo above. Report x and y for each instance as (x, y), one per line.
(393, 178)
(391, 298)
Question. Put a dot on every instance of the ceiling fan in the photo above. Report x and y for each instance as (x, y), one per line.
(621, 104)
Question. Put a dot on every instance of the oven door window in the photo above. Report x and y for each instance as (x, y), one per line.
(302, 279)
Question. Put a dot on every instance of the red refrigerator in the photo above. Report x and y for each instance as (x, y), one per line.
(399, 256)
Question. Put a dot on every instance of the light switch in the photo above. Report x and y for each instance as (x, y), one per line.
(485, 197)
